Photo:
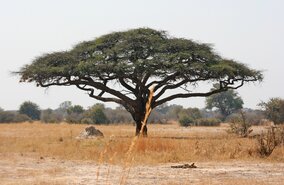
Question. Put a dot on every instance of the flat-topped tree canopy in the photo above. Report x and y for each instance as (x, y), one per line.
(138, 59)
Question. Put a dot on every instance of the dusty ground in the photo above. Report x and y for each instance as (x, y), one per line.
(49, 154)
(18, 169)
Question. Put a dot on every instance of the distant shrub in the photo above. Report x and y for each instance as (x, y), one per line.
(239, 125)
(186, 121)
(74, 118)
(6, 117)
(274, 110)
(118, 115)
(74, 114)
(96, 114)
(51, 116)
(255, 117)
(156, 117)
(13, 117)
(21, 118)
(75, 109)
(208, 122)
(30, 109)
(87, 121)
(269, 140)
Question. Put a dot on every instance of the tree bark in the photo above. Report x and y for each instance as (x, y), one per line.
(138, 118)
(138, 115)
(138, 129)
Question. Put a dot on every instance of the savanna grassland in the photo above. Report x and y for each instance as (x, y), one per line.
(37, 153)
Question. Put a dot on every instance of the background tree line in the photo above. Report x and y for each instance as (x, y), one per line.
(222, 107)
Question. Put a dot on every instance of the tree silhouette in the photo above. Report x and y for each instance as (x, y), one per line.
(120, 67)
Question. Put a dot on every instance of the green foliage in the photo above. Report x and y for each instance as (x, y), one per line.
(74, 118)
(6, 117)
(131, 55)
(51, 116)
(194, 113)
(96, 114)
(30, 109)
(185, 120)
(75, 114)
(254, 117)
(274, 110)
(207, 122)
(136, 59)
(143, 50)
(87, 121)
(78, 109)
(13, 117)
(21, 118)
(157, 117)
(173, 111)
(118, 115)
(188, 116)
(226, 102)
(65, 105)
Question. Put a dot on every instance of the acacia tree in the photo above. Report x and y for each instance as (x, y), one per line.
(120, 67)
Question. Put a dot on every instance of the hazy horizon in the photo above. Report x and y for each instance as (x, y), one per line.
(250, 32)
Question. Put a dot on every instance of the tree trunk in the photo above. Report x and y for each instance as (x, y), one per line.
(138, 129)
(139, 115)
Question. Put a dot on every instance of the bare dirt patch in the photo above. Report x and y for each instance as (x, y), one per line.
(17, 169)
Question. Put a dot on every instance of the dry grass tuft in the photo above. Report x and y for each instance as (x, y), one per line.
(166, 143)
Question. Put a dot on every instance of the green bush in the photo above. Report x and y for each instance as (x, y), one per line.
(50, 116)
(208, 122)
(6, 117)
(96, 114)
(21, 118)
(186, 121)
(87, 121)
(12, 117)
(74, 118)
(30, 109)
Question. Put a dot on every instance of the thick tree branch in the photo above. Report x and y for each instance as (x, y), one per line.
(146, 77)
(105, 88)
(167, 87)
(92, 83)
(104, 99)
(160, 83)
(187, 95)
(124, 84)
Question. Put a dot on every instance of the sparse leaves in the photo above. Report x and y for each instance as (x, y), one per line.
(239, 125)
(269, 140)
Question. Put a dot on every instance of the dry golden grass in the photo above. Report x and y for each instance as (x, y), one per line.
(232, 181)
(166, 143)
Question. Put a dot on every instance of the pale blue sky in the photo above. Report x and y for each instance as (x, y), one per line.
(249, 31)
